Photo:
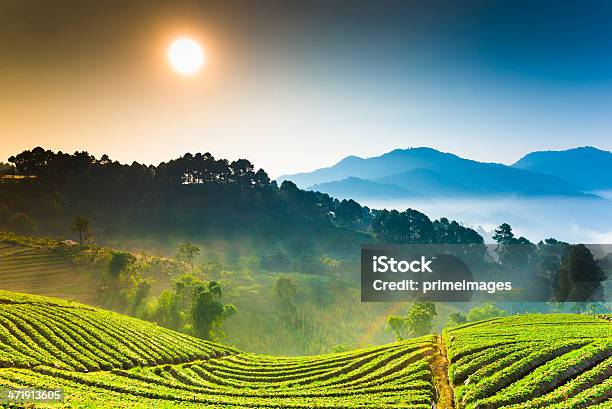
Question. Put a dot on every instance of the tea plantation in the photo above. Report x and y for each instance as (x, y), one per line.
(44, 271)
(532, 361)
(103, 359)
(106, 360)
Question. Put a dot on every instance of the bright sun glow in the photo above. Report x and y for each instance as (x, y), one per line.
(186, 56)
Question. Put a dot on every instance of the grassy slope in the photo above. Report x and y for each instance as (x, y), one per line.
(532, 361)
(42, 267)
(104, 359)
(46, 267)
(42, 271)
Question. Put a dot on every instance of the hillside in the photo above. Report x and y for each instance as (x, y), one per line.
(431, 173)
(46, 267)
(107, 360)
(190, 198)
(103, 359)
(532, 361)
(587, 167)
(359, 189)
(43, 271)
(42, 332)
(50, 267)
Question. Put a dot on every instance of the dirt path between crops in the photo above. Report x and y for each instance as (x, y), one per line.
(439, 368)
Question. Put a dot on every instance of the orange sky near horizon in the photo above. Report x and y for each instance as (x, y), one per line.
(291, 86)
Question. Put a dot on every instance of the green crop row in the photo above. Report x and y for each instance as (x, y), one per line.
(102, 359)
(44, 333)
(582, 382)
(550, 375)
(417, 391)
(532, 361)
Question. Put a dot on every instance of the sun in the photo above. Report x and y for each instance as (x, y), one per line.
(186, 56)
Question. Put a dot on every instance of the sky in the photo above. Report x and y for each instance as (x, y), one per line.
(294, 86)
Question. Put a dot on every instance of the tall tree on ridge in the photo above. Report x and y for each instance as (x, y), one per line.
(81, 226)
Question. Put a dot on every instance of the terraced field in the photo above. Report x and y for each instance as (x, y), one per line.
(42, 271)
(106, 360)
(102, 359)
(532, 361)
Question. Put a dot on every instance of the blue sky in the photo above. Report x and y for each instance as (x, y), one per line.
(294, 86)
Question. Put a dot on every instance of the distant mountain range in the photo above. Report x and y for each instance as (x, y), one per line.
(363, 189)
(589, 168)
(419, 173)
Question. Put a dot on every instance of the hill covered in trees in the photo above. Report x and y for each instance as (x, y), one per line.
(194, 196)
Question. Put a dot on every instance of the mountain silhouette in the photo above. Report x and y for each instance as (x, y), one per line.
(359, 189)
(586, 167)
(430, 173)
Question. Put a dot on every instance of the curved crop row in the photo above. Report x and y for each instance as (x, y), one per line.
(102, 359)
(531, 361)
(78, 338)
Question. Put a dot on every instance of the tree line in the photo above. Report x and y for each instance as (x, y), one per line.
(195, 195)
(198, 196)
